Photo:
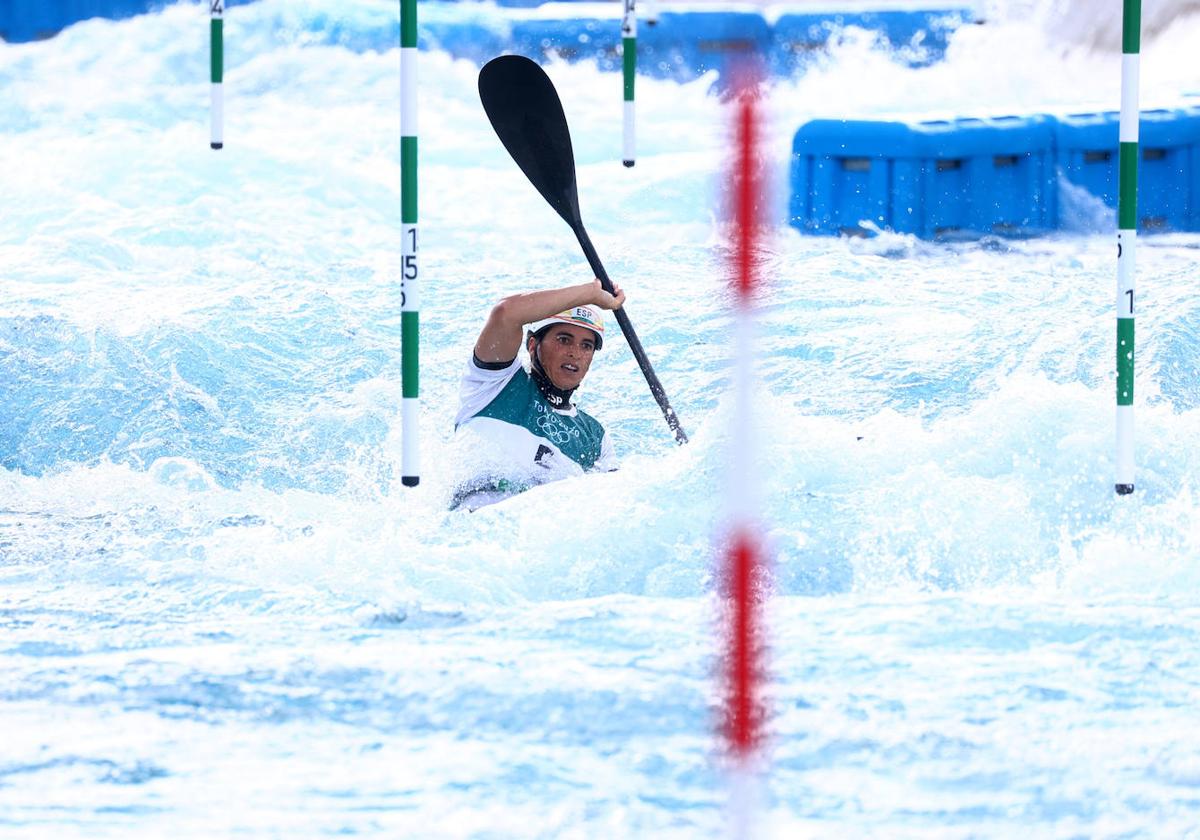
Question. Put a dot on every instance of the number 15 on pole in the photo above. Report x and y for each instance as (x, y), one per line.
(410, 299)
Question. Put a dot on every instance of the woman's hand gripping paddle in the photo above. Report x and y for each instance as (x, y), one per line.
(524, 108)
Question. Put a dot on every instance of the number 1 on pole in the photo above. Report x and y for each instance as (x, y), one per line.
(409, 269)
(1127, 184)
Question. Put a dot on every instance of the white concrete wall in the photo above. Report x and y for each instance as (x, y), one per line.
(1095, 24)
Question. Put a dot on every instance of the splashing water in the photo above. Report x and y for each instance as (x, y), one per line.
(223, 614)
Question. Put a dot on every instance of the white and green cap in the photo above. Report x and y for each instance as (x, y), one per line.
(586, 316)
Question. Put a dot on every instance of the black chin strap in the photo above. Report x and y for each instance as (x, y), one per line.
(554, 395)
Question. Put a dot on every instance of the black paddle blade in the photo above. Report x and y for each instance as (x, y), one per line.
(524, 108)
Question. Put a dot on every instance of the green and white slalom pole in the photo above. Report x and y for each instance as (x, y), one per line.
(629, 63)
(1127, 172)
(216, 10)
(409, 277)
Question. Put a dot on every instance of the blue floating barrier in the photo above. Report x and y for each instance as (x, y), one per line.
(27, 20)
(935, 179)
(686, 42)
(474, 40)
(1168, 169)
(570, 38)
(685, 45)
(682, 46)
(920, 36)
(35, 20)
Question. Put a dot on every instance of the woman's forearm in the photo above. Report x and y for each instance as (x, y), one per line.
(527, 307)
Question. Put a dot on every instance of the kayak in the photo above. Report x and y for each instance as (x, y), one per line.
(472, 497)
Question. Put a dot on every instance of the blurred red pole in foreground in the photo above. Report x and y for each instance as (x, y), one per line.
(743, 560)
(743, 721)
(744, 633)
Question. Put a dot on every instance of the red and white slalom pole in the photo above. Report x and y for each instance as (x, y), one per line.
(745, 557)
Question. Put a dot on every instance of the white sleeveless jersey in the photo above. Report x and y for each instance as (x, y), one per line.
(524, 440)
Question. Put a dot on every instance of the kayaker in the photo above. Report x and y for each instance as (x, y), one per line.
(530, 428)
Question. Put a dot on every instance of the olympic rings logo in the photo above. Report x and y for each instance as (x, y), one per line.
(553, 429)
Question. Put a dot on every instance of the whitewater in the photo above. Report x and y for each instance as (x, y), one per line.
(223, 615)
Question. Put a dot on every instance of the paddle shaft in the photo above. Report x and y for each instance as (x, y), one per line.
(635, 344)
